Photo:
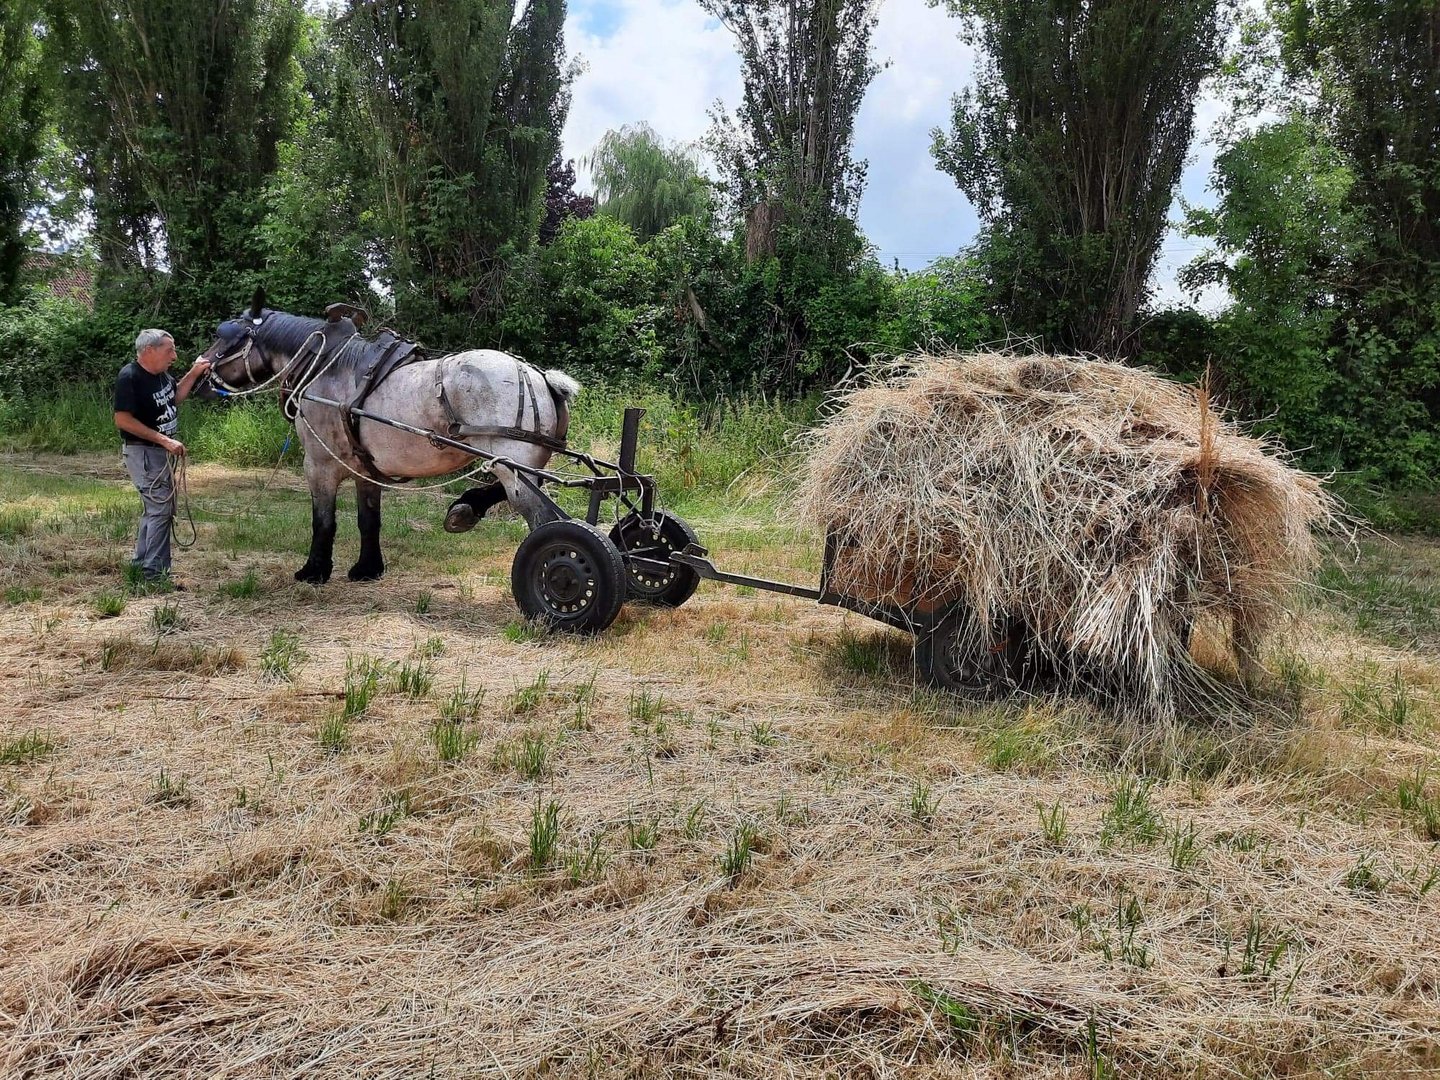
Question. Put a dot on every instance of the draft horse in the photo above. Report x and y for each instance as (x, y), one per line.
(322, 368)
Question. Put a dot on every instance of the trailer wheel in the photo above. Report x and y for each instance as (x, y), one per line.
(655, 538)
(569, 575)
(955, 655)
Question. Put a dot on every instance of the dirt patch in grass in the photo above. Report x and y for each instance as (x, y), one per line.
(731, 839)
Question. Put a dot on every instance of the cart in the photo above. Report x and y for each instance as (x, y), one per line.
(571, 575)
(568, 572)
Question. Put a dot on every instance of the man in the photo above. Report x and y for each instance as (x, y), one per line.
(146, 397)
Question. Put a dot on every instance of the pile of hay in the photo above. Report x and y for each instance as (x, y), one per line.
(1106, 507)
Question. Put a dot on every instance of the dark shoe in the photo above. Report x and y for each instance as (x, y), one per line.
(461, 518)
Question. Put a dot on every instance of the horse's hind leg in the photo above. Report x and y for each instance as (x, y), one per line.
(470, 507)
(323, 478)
(371, 565)
(535, 510)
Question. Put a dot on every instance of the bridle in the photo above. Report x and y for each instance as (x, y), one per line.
(253, 324)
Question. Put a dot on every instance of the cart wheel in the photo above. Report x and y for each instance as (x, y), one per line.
(656, 540)
(569, 575)
(954, 655)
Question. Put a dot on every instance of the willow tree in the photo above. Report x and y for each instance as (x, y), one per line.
(465, 105)
(1070, 145)
(176, 108)
(785, 155)
(22, 119)
(645, 182)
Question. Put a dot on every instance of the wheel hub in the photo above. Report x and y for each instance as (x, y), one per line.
(649, 543)
(567, 579)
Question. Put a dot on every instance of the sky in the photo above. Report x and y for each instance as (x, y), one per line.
(666, 63)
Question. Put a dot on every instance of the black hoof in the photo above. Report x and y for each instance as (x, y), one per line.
(313, 575)
(461, 518)
(366, 572)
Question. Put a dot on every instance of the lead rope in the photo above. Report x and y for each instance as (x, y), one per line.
(180, 496)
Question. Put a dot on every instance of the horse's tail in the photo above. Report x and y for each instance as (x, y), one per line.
(564, 390)
(561, 385)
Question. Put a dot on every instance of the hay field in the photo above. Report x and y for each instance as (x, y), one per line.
(260, 829)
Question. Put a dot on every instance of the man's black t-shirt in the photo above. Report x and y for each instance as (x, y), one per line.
(148, 398)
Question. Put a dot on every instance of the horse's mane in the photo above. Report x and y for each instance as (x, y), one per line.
(285, 333)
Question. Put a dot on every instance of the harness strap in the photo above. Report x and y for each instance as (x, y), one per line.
(458, 429)
(397, 353)
(461, 431)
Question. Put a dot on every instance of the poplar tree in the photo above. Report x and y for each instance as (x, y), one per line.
(785, 155)
(175, 109)
(22, 121)
(464, 111)
(1070, 145)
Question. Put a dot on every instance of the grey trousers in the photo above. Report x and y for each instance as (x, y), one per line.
(149, 470)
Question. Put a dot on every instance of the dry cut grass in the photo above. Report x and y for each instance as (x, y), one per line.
(388, 830)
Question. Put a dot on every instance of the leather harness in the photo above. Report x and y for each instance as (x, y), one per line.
(397, 353)
(457, 429)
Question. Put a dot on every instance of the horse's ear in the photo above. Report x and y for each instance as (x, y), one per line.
(257, 303)
(356, 314)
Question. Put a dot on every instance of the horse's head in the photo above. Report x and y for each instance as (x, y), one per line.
(260, 346)
(238, 361)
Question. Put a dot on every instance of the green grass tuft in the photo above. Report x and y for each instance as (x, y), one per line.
(25, 749)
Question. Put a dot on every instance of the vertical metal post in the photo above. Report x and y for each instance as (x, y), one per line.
(629, 438)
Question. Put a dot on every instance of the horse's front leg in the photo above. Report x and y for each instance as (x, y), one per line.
(371, 565)
(323, 481)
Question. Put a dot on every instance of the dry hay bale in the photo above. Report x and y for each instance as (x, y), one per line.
(1105, 506)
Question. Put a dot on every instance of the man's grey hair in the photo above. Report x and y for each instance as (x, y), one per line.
(146, 338)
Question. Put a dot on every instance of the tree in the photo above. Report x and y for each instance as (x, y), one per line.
(22, 121)
(785, 157)
(465, 111)
(561, 200)
(786, 172)
(646, 183)
(176, 109)
(1370, 70)
(1070, 145)
(1285, 246)
(1327, 232)
(320, 225)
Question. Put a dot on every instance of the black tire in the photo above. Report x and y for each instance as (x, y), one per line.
(656, 539)
(568, 575)
(954, 655)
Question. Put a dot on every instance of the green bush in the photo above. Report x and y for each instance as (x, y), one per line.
(47, 344)
(588, 303)
(940, 307)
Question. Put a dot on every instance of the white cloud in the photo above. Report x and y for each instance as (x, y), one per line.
(911, 211)
(664, 62)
